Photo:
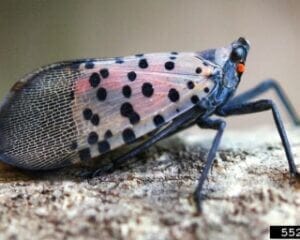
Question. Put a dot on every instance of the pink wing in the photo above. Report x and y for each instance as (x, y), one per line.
(119, 101)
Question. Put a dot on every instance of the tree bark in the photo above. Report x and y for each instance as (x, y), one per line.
(248, 190)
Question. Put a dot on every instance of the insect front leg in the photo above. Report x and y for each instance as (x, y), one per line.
(262, 88)
(260, 106)
(218, 125)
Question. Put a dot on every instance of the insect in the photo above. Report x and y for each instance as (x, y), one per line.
(77, 110)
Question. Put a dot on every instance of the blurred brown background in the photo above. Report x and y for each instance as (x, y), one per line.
(35, 33)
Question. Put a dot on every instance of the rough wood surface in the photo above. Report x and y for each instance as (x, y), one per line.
(248, 190)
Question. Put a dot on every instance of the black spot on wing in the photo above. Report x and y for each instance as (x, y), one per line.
(108, 134)
(75, 65)
(87, 114)
(173, 95)
(104, 73)
(101, 94)
(131, 76)
(190, 85)
(126, 109)
(147, 89)
(143, 63)
(134, 118)
(126, 90)
(195, 99)
(119, 60)
(158, 120)
(103, 146)
(89, 65)
(95, 119)
(94, 80)
(92, 138)
(128, 135)
(198, 70)
(169, 65)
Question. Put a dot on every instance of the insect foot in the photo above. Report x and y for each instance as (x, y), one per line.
(198, 198)
(296, 175)
(109, 168)
(87, 174)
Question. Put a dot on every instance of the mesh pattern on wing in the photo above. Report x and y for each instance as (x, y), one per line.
(36, 124)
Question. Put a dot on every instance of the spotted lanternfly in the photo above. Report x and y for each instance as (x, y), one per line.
(77, 110)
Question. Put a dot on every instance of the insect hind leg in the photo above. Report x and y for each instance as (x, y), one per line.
(264, 87)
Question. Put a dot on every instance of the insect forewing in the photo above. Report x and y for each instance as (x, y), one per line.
(89, 107)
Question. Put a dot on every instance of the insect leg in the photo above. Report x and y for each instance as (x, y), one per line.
(259, 106)
(167, 131)
(218, 125)
(263, 87)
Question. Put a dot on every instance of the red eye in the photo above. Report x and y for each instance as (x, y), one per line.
(240, 68)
